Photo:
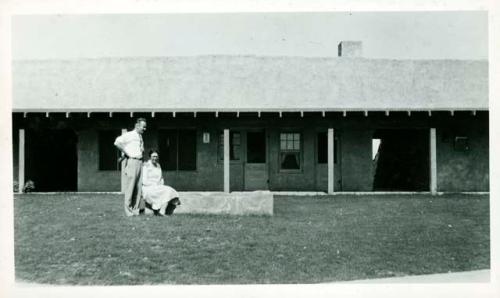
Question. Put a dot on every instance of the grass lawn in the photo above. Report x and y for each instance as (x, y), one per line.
(86, 239)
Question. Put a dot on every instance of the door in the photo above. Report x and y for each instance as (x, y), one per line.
(256, 169)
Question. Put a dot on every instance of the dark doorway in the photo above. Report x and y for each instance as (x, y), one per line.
(51, 159)
(401, 160)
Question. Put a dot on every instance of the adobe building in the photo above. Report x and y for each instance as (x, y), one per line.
(236, 123)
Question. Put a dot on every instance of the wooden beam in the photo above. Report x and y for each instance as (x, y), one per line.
(217, 114)
(301, 114)
(24, 114)
(226, 161)
(323, 114)
(237, 114)
(433, 161)
(46, 114)
(474, 113)
(366, 113)
(387, 113)
(331, 172)
(409, 113)
(67, 114)
(131, 114)
(110, 114)
(430, 113)
(194, 114)
(88, 114)
(281, 114)
(173, 114)
(344, 113)
(21, 160)
(258, 114)
(152, 114)
(452, 113)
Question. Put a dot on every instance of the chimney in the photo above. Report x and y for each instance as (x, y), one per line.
(350, 49)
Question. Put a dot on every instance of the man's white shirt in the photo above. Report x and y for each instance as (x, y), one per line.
(132, 143)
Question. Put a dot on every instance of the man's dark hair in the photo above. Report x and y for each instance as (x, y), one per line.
(140, 120)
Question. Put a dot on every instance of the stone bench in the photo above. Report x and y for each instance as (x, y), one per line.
(234, 203)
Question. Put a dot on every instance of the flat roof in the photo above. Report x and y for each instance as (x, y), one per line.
(248, 83)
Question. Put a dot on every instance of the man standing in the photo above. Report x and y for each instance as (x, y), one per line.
(132, 148)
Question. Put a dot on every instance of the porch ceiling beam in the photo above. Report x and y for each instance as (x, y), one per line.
(323, 114)
(409, 113)
(152, 114)
(237, 114)
(46, 114)
(88, 114)
(216, 114)
(110, 114)
(281, 114)
(366, 113)
(452, 112)
(301, 114)
(67, 114)
(430, 113)
(387, 112)
(24, 114)
(173, 114)
(258, 114)
(474, 113)
(131, 114)
(344, 113)
(194, 114)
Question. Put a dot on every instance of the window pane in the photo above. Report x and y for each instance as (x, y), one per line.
(236, 138)
(289, 145)
(256, 147)
(187, 150)
(283, 145)
(234, 146)
(296, 145)
(108, 154)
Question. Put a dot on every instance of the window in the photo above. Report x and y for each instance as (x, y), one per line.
(290, 151)
(108, 153)
(323, 148)
(234, 146)
(177, 149)
(256, 147)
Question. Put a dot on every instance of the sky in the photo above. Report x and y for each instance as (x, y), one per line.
(393, 35)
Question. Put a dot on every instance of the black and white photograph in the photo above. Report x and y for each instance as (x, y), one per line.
(270, 148)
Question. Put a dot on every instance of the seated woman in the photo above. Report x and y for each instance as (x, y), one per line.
(154, 191)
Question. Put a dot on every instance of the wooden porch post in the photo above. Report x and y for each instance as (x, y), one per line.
(433, 161)
(331, 175)
(226, 160)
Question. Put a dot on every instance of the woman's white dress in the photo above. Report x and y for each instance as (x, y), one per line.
(153, 189)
